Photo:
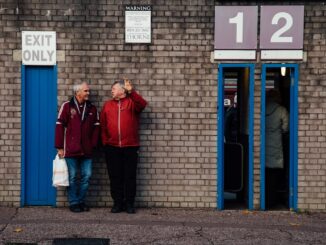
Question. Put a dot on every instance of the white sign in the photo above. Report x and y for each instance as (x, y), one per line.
(138, 24)
(39, 48)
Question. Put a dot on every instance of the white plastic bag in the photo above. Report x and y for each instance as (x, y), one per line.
(60, 172)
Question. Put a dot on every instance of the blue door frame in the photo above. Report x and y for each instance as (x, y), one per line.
(293, 126)
(220, 139)
(38, 100)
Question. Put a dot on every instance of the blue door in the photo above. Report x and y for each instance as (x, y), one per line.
(39, 106)
(237, 78)
(286, 82)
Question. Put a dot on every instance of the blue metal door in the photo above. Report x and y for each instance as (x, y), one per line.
(221, 138)
(39, 106)
(293, 130)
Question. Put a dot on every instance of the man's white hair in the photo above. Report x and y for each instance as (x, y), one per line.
(78, 87)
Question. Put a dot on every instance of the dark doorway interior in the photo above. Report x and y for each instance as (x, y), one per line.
(277, 138)
(236, 137)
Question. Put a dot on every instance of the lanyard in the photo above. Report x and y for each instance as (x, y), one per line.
(84, 108)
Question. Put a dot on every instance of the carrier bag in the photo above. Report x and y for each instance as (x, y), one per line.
(60, 172)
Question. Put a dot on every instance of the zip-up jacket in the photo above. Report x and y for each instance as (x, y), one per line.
(77, 129)
(120, 120)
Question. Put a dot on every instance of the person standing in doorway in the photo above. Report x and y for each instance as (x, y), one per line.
(77, 133)
(277, 123)
(231, 122)
(120, 121)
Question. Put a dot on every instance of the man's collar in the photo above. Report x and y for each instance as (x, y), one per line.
(76, 100)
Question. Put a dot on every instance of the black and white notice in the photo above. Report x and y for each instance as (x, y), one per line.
(138, 24)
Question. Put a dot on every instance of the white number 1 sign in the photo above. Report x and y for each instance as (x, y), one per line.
(236, 27)
(238, 20)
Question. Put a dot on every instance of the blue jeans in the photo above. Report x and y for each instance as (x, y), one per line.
(76, 195)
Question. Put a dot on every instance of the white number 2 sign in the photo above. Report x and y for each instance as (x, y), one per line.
(277, 38)
(281, 27)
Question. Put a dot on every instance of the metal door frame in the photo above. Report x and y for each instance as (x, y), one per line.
(293, 126)
(220, 138)
(23, 135)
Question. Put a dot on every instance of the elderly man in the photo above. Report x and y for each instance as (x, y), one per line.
(120, 121)
(77, 132)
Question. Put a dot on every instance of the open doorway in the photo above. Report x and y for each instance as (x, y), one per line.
(279, 133)
(235, 136)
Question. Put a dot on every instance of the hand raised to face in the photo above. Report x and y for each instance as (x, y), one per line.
(128, 86)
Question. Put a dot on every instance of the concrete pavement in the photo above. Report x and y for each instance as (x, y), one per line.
(41, 225)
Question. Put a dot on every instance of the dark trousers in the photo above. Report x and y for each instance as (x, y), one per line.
(122, 168)
(274, 182)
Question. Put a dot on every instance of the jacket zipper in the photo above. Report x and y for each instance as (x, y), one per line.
(119, 129)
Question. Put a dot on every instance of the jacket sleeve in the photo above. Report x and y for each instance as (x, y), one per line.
(103, 122)
(61, 124)
(96, 129)
(285, 120)
(139, 102)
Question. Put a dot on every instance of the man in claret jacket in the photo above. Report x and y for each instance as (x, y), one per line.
(119, 123)
(77, 133)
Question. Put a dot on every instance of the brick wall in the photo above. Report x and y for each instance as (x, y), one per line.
(177, 165)
(312, 112)
(10, 111)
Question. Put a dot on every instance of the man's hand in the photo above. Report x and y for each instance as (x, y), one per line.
(60, 153)
(128, 85)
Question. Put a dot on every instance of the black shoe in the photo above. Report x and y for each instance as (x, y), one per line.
(116, 209)
(75, 208)
(84, 207)
(130, 209)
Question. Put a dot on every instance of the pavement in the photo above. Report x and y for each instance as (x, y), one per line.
(41, 225)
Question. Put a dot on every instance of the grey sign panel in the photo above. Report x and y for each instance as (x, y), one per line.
(235, 27)
(281, 27)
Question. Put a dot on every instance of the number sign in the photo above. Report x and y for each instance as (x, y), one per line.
(281, 27)
(281, 32)
(235, 27)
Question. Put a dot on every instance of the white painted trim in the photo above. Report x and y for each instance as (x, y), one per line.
(234, 54)
(281, 55)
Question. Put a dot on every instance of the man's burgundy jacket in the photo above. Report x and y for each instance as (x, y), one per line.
(77, 129)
